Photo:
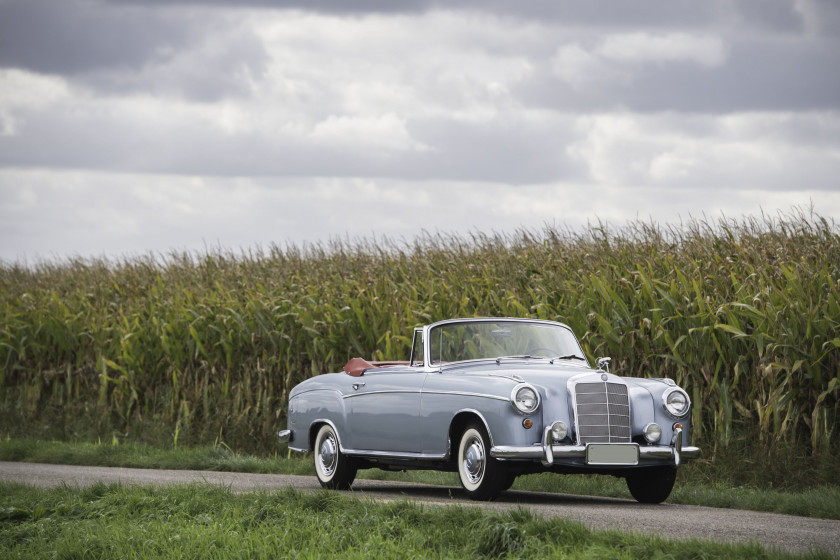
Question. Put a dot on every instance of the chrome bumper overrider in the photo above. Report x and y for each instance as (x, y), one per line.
(549, 453)
(285, 436)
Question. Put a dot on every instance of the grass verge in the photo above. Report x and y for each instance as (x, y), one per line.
(821, 501)
(202, 521)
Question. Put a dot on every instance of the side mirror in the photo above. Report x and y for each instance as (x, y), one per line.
(604, 364)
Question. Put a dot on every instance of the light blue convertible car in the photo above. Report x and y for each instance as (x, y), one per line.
(493, 399)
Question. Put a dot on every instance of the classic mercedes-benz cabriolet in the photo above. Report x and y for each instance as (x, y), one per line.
(493, 399)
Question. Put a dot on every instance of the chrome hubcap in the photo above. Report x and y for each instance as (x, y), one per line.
(327, 455)
(474, 461)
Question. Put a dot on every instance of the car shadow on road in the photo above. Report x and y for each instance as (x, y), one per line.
(364, 488)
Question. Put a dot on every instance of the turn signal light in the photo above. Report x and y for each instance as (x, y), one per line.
(677, 425)
(527, 423)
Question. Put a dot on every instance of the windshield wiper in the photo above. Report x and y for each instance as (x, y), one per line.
(519, 357)
(568, 357)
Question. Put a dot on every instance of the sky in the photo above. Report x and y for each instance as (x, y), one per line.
(130, 127)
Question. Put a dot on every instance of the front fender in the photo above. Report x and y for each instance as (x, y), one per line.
(647, 407)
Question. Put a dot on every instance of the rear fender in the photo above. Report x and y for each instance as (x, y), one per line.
(315, 408)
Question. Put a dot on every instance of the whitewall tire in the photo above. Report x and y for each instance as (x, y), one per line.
(482, 476)
(332, 467)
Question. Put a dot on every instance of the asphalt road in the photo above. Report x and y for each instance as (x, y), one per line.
(771, 530)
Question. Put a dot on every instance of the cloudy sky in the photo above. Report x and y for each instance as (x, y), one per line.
(129, 127)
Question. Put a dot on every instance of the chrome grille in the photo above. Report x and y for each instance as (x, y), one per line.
(603, 412)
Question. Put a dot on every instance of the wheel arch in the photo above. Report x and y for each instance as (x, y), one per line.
(313, 433)
(459, 423)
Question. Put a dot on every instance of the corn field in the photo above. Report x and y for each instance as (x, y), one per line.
(205, 347)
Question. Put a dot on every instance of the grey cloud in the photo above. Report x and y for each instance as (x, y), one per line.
(133, 71)
(821, 17)
(501, 150)
(769, 14)
(756, 75)
(151, 46)
(496, 151)
(196, 54)
(217, 68)
(774, 152)
(70, 37)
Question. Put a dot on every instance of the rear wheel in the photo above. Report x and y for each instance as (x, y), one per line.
(482, 476)
(652, 485)
(334, 469)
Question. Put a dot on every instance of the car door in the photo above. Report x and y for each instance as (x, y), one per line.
(384, 410)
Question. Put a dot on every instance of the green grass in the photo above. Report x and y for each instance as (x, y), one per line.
(209, 458)
(820, 501)
(204, 521)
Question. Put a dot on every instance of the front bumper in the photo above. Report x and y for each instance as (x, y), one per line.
(549, 453)
(285, 436)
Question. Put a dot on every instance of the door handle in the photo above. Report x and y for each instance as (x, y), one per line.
(357, 385)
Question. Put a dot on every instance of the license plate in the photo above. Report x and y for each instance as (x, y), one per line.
(612, 454)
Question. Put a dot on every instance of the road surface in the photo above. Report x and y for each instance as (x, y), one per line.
(771, 530)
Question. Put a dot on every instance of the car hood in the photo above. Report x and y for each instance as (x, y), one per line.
(536, 372)
(553, 378)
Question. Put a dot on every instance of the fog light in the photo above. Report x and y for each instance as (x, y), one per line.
(527, 423)
(559, 430)
(653, 432)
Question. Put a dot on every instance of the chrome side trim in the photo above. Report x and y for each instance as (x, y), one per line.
(468, 394)
(382, 392)
(392, 454)
(422, 393)
(304, 391)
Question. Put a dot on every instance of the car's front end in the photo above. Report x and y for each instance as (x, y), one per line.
(564, 416)
(600, 420)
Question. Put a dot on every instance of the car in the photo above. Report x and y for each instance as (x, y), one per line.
(493, 399)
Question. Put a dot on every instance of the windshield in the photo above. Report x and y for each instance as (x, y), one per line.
(453, 342)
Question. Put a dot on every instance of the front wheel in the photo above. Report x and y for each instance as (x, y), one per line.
(333, 468)
(482, 476)
(652, 485)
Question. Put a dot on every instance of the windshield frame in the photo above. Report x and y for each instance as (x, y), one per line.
(429, 331)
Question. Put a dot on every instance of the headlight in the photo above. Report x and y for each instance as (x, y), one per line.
(676, 402)
(525, 398)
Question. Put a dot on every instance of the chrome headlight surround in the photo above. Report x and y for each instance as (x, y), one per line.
(525, 398)
(676, 402)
